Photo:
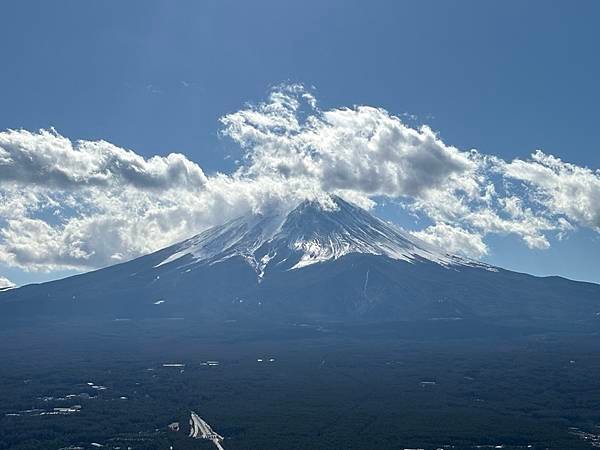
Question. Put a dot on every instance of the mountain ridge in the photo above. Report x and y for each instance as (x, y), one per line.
(316, 232)
(311, 264)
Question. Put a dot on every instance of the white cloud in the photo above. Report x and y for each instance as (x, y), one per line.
(363, 152)
(85, 204)
(365, 149)
(560, 187)
(89, 204)
(453, 240)
(6, 283)
(50, 160)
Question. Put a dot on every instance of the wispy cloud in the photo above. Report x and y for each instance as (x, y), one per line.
(153, 89)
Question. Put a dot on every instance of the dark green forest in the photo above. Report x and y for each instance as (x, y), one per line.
(327, 387)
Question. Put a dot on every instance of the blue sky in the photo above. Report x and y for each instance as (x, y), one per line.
(506, 78)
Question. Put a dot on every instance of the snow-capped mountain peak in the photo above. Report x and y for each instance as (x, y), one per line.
(331, 263)
(309, 234)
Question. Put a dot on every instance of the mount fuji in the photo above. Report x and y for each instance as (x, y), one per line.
(332, 262)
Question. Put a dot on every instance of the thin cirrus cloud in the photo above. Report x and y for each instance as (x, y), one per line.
(85, 204)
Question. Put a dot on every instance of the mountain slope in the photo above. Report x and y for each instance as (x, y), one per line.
(310, 234)
(336, 264)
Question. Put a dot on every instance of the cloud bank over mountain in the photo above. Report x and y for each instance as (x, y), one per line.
(83, 204)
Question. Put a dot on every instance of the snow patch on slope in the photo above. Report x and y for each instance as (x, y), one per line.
(308, 235)
(241, 236)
